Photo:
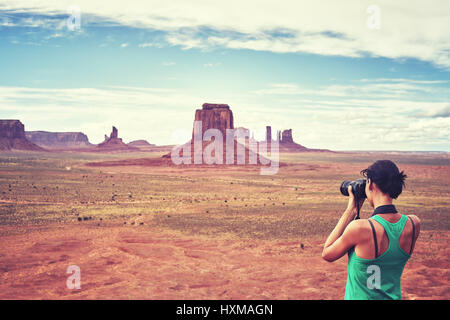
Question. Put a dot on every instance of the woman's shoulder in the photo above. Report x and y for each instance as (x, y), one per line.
(415, 219)
(360, 227)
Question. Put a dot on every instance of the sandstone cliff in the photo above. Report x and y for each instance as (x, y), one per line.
(219, 116)
(286, 142)
(141, 144)
(215, 116)
(286, 136)
(12, 136)
(58, 140)
(114, 143)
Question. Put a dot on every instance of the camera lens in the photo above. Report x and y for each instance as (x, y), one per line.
(358, 188)
(344, 187)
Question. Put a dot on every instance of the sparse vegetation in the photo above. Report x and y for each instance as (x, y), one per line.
(37, 191)
(146, 229)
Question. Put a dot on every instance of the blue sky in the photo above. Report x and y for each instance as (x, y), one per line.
(340, 76)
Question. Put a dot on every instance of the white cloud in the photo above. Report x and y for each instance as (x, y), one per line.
(137, 112)
(162, 115)
(211, 65)
(408, 29)
(441, 112)
(365, 88)
(150, 44)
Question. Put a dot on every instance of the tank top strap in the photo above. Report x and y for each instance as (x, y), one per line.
(393, 230)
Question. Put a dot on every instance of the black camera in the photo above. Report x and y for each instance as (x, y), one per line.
(358, 188)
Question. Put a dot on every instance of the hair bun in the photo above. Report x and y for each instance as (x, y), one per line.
(387, 177)
(402, 176)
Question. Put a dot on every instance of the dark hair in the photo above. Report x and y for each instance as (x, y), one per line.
(387, 177)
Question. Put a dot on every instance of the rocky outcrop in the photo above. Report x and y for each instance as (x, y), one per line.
(114, 134)
(268, 133)
(287, 144)
(286, 136)
(12, 136)
(244, 150)
(114, 143)
(141, 144)
(58, 140)
(217, 116)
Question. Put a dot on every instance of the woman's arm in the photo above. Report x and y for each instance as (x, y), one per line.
(345, 233)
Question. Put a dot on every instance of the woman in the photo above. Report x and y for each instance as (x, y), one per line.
(379, 247)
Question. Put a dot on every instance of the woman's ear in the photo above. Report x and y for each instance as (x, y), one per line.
(373, 186)
(370, 183)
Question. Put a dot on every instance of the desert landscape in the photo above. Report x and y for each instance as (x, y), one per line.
(195, 150)
(167, 232)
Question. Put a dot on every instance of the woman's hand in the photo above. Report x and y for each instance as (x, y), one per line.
(351, 207)
(345, 233)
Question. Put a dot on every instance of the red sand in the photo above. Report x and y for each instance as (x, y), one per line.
(123, 262)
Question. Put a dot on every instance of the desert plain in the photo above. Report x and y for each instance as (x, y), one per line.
(141, 231)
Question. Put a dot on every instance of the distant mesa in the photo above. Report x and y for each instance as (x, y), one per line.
(215, 116)
(220, 117)
(12, 137)
(211, 116)
(141, 144)
(286, 142)
(286, 136)
(215, 106)
(114, 143)
(59, 140)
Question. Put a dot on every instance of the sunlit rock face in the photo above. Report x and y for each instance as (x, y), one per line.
(58, 140)
(12, 136)
(114, 143)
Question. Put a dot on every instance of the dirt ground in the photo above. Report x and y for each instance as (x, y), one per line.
(142, 232)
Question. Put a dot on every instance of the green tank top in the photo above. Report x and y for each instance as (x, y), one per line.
(379, 278)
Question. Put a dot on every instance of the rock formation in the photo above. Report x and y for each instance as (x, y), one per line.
(58, 140)
(217, 116)
(114, 143)
(211, 116)
(12, 136)
(245, 150)
(141, 144)
(114, 134)
(287, 144)
(268, 133)
(286, 136)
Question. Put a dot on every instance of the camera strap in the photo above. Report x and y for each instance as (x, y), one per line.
(390, 208)
(357, 207)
